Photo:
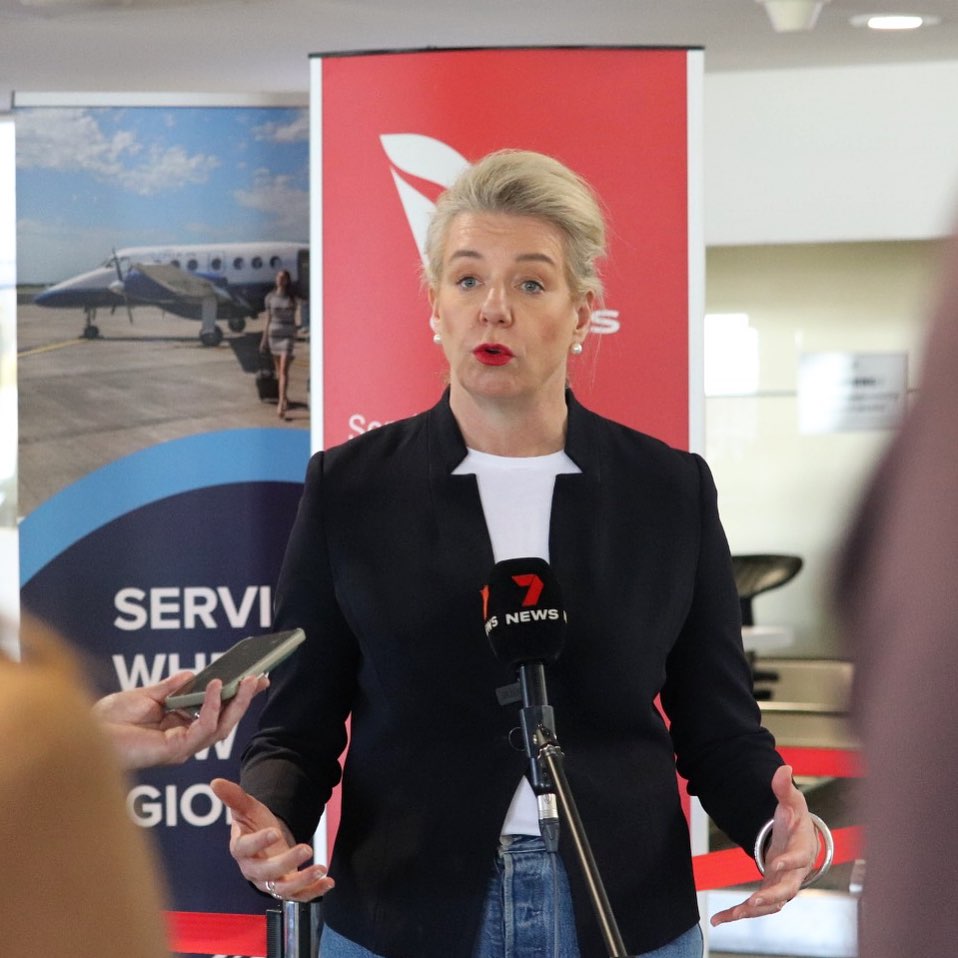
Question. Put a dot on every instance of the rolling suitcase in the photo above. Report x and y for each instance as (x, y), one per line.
(267, 385)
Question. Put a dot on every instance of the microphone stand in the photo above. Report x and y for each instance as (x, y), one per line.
(543, 747)
(537, 713)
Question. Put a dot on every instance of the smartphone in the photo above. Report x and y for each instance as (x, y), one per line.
(254, 655)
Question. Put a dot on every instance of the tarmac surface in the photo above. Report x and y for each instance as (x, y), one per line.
(84, 403)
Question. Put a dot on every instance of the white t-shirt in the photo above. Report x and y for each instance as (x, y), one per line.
(516, 494)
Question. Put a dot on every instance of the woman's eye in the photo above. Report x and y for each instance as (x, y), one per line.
(467, 282)
(532, 286)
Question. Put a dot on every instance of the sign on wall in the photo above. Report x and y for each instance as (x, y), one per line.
(847, 392)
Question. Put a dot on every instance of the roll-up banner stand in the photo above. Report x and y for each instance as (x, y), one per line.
(389, 131)
(158, 488)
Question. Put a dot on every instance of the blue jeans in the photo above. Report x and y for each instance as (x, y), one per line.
(528, 909)
(691, 944)
(527, 912)
(333, 945)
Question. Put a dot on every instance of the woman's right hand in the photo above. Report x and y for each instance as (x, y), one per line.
(265, 851)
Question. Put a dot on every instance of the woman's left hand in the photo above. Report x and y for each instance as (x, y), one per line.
(790, 856)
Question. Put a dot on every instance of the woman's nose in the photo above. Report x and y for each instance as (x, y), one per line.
(495, 307)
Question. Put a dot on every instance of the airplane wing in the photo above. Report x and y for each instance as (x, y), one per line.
(180, 291)
(162, 281)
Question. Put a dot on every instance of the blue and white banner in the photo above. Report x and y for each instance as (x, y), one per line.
(157, 483)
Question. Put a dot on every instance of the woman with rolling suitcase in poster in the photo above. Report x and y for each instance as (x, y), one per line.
(279, 334)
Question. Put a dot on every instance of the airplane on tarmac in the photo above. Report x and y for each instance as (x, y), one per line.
(207, 282)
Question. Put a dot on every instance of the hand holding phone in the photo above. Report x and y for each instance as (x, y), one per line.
(254, 655)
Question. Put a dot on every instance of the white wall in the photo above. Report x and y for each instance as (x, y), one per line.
(831, 155)
(825, 191)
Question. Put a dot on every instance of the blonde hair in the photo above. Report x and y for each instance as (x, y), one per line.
(524, 183)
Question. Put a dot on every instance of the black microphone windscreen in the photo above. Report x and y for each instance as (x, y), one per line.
(523, 613)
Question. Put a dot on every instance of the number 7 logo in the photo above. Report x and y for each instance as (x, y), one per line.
(534, 587)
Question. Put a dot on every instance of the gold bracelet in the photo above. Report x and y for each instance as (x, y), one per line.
(827, 840)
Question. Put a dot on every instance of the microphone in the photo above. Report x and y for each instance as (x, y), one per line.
(525, 625)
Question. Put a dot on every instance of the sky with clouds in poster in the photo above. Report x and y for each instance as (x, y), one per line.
(97, 178)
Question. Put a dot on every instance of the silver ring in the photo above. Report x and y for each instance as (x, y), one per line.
(271, 888)
(827, 840)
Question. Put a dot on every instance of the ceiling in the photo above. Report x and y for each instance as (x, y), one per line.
(263, 46)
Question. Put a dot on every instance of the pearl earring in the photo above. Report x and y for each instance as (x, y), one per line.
(575, 349)
(436, 338)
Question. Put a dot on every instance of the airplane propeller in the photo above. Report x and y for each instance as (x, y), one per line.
(118, 286)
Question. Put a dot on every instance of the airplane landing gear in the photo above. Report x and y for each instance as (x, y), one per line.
(210, 333)
(211, 337)
(237, 324)
(89, 330)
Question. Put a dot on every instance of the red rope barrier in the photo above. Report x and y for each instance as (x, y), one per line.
(205, 933)
(826, 762)
(735, 867)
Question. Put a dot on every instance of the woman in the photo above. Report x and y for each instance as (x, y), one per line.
(279, 333)
(396, 535)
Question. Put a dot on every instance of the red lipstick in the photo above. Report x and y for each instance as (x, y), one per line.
(492, 354)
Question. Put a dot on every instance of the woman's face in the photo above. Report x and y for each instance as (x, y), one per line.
(282, 279)
(503, 307)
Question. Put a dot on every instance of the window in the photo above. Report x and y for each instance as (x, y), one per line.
(238, 262)
(257, 262)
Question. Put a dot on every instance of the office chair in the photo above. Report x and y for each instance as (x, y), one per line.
(755, 574)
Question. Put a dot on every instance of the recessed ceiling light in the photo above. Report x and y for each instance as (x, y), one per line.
(893, 21)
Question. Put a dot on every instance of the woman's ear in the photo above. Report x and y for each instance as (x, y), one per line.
(433, 308)
(583, 317)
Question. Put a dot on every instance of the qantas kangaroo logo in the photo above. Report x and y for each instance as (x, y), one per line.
(425, 159)
(434, 166)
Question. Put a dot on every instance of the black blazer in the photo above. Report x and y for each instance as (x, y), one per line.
(383, 571)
